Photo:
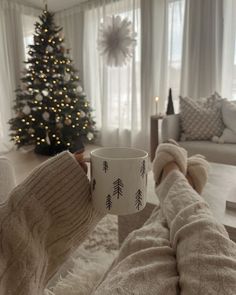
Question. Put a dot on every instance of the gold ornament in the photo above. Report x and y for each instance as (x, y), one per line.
(59, 125)
(68, 121)
(67, 100)
(31, 131)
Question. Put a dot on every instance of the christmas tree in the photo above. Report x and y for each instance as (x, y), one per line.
(170, 105)
(52, 112)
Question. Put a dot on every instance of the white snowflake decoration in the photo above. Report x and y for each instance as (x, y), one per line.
(116, 40)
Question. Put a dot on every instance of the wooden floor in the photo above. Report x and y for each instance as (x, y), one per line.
(25, 161)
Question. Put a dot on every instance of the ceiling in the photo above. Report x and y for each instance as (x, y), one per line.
(53, 5)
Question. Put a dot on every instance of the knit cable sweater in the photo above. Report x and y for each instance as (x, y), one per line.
(45, 218)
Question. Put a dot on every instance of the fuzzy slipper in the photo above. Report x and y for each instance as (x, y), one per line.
(198, 169)
(165, 154)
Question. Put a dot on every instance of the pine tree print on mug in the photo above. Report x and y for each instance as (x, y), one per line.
(121, 174)
(143, 168)
(108, 202)
(105, 166)
(118, 188)
(138, 199)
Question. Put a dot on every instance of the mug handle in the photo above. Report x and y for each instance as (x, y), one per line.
(79, 155)
(87, 159)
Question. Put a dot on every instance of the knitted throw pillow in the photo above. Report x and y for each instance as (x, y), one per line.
(201, 119)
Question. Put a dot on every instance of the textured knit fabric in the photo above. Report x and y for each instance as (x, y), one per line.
(181, 249)
(44, 220)
(206, 257)
(7, 178)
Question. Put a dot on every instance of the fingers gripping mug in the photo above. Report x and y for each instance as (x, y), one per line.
(119, 180)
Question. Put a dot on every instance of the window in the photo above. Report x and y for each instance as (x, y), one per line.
(175, 40)
(114, 91)
(234, 75)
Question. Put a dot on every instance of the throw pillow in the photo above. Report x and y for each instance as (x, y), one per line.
(201, 119)
(229, 114)
(228, 136)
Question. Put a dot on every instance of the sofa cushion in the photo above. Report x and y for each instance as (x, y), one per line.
(200, 119)
(228, 136)
(229, 114)
(213, 152)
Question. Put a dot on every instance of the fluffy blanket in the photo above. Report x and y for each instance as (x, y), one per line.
(89, 262)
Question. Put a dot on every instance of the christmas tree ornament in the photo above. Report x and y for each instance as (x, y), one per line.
(46, 116)
(49, 48)
(68, 100)
(45, 92)
(116, 40)
(67, 77)
(68, 121)
(82, 114)
(79, 89)
(26, 110)
(31, 131)
(20, 114)
(90, 136)
(39, 97)
(59, 125)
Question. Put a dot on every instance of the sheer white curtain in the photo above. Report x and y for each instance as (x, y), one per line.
(229, 50)
(162, 33)
(114, 92)
(11, 60)
(167, 37)
(11, 53)
(202, 48)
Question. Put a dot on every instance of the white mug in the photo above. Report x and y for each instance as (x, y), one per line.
(119, 180)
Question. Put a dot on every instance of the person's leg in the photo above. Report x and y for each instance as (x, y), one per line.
(145, 263)
(206, 257)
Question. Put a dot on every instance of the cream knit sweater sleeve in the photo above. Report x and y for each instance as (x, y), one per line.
(45, 219)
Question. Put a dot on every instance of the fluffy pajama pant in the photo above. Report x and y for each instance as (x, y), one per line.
(181, 249)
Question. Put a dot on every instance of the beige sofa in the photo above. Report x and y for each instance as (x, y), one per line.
(214, 152)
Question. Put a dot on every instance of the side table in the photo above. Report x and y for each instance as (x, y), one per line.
(154, 134)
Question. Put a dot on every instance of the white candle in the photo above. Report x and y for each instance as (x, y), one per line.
(157, 100)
